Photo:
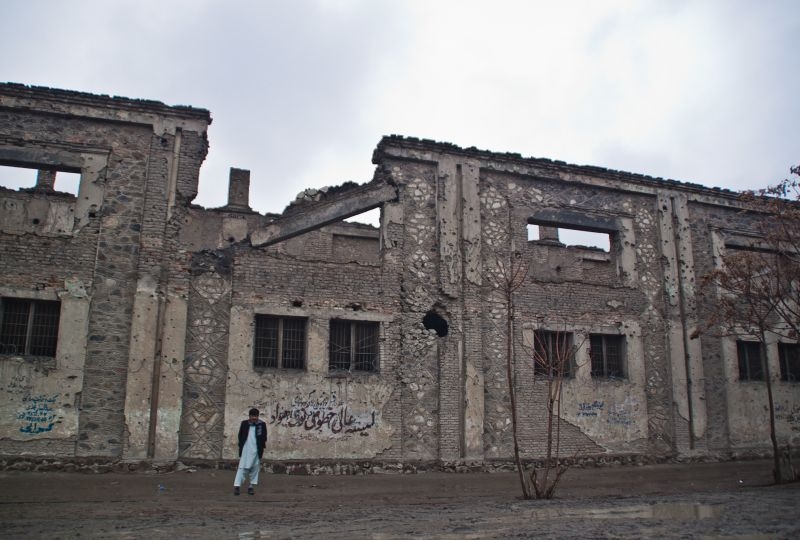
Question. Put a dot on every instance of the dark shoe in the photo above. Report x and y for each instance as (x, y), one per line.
(236, 490)
(251, 491)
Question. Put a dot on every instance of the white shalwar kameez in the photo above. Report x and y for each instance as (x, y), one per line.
(249, 463)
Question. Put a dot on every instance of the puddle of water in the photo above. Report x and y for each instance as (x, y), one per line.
(678, 511)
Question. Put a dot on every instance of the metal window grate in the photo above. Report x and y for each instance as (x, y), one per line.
(339, 346)
(750, 366)
(294, 343)
(29, 327)
(280, 342)
(605, 351)
(789, 354)
(365, 354)
(266, 343)
(353, 346)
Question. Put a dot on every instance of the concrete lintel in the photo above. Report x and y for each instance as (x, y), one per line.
(574, 219)
(320, 215)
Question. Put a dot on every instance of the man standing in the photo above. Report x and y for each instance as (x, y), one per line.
(252, 439)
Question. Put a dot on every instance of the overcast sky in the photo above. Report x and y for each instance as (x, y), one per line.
(301, 91)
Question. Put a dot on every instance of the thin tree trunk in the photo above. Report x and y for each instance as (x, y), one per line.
(512, 394)
(776, 469)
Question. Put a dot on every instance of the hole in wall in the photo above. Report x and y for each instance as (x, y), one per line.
(434, 321)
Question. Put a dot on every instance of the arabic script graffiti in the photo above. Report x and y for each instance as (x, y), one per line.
(324, 413)
(590, 408)
(37, 416)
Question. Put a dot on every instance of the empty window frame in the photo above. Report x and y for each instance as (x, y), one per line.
(607, 354)
(29, 327)
(552, 353)
(354, 346)
(280, 342)
(750, 362)
(15, 177)
(565, 236)
(789, 354)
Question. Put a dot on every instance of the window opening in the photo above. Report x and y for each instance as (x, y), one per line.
(552, 353)
(574, 237)
(68, 182)
(14, 177)
(789, 354)
(29, 327)
(606, 351)
(569, 237)
(750, 364)
(280, 342)
(434, 321)
(17, 177)
(353, 346)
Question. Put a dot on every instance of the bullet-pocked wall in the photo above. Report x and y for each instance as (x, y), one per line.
(135, 325)
(85, 276)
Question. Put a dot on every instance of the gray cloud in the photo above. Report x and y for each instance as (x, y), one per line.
(300, 92)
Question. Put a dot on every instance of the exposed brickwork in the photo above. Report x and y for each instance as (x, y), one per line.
(158, 276)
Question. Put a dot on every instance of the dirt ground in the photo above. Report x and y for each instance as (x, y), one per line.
(713, 500)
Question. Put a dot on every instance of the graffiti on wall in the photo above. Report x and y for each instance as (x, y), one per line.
(590, 408)
(619, 415)
(37, 415)
(791, 415)
(323, 413)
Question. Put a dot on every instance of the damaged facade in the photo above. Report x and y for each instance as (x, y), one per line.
(137, 326)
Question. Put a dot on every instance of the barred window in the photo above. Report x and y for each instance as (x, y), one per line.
(750, 364)
(606, 353)
(353, 346)
(789, 354)
(280, 342)
(29, 327)
(552, 353)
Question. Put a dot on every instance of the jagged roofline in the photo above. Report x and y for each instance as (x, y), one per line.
(555, 166)
(73, 97)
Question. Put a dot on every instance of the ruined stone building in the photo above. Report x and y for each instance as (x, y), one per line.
(135, 325)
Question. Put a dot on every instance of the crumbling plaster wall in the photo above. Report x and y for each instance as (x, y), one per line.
(158, 301)
(137, 160)
(738, 410)
(40, 398)
(573, 289)
(344, 416)
(644, 289)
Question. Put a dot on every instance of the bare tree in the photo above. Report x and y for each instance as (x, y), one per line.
(510, 277)
(551, 354)
(754, 290)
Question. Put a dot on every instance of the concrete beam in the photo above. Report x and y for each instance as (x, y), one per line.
(574, 220)
(346, 204)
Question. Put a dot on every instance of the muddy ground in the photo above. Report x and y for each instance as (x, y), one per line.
(712, 500)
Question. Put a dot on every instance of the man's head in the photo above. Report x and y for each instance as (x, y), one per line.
(253, 415)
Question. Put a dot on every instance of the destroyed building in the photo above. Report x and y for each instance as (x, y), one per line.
(135, 325)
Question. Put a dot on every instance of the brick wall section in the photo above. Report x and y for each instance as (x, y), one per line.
(105, 254)
(102, 419)
(336, 271)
